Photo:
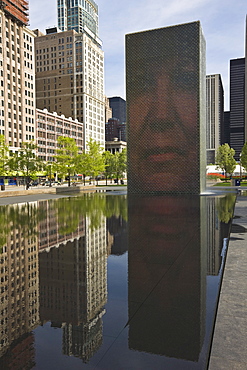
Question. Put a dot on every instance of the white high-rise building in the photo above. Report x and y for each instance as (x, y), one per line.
(214, 115)
(70, 68)
(70, 79)
(17, 74)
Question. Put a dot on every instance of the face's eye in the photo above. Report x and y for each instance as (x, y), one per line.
(185, 80)
(142, 79)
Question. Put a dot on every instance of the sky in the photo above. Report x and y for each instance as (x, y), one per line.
(222, 21)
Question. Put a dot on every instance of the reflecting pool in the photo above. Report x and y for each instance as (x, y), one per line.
(102, 281)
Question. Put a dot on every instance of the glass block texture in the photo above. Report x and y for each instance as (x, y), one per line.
(165, 81)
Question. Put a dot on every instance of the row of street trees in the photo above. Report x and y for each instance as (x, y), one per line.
(225, 158)
(67, 161)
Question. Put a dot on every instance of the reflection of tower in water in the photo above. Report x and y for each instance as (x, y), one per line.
(218, 220)
(117, 235)
(167, 275)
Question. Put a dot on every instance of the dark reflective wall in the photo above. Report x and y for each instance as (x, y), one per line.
(166, 74)
(167, 276)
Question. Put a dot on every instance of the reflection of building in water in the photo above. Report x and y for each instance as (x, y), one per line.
(83, 340)
(167, 275)
(214, 241)
(19, 276)
(73, 289)
(61, 272)
(217, 231)
(21, 354)
(96, 253)
(117, 235)
(50, 231)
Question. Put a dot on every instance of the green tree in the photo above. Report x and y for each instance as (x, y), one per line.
(243, 156)
(4, 156)
(120, 164)
(26, 161)
(96, 163)
(50, 168)
(83, 165)
(225, 159)
(109, 165)
(66, 157)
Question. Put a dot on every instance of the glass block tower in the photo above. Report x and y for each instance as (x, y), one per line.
(78, 15)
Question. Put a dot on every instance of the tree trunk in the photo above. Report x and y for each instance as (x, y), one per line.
(69, 179)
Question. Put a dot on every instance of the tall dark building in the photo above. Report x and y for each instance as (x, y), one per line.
(237, 105)
(118, 106)
(225, 133)
(115, 129)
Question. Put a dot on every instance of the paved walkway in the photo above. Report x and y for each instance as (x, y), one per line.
(12, 190)
(229, 347)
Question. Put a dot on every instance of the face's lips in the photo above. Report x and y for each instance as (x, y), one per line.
(162, 154)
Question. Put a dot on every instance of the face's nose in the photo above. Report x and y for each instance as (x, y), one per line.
(162, 114)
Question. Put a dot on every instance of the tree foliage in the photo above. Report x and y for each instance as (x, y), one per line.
(225, 159)
(26, 161)
(243, 157)
(66, 157)
(120, 164)
(4, 156)
(109, 165)
(83, 165)
(95, 160)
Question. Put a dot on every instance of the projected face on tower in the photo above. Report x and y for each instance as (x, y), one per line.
(163, 110)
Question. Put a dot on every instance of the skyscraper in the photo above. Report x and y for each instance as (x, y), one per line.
(118, 106)
(70, 79)
(237, 105)
(17, 74)
(225, 137)
(245, 118)
(78, 15)
(70, 68)
(17, 9)
(214, 115)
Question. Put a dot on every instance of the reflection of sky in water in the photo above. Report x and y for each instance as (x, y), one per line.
(87, 299)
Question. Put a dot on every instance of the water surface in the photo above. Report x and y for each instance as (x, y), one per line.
(99, 281)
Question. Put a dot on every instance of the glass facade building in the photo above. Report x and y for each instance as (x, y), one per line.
(78, 15)
(237, 105)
